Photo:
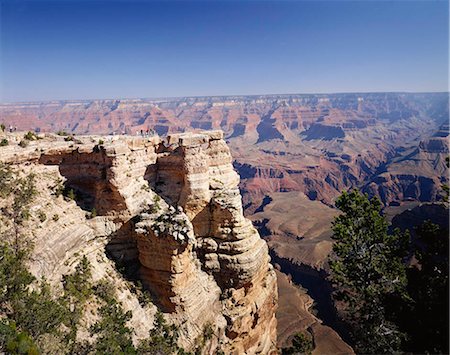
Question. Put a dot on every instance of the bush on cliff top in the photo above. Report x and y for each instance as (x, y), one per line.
(30, 136)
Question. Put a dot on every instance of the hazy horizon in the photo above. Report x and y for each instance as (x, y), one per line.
(228, 95)
(88, 50)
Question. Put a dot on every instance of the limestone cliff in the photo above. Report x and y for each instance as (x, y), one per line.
(172, 210)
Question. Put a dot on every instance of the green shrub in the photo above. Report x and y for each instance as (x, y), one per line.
(113, 335)
(22, 188)
(301, 344)
(142, 295)
(38, 312)
(77, 290)
(30, 136)
(4, 142)
(6, 180)
(15, 341)
(71, 195)
(35, 312)
(92, 214)
(32, 319)
(2, 127)
(104, 290)
(78, 284)
(162, 340)
(55, 217)
(428, 288)
(24, 215)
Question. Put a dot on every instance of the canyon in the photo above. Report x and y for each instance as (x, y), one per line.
(317, 144)
(294, 155)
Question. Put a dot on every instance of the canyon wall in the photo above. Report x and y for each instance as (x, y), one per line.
(171, 209)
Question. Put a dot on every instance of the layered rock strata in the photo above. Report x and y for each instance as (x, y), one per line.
(173, 209)
(227, 245)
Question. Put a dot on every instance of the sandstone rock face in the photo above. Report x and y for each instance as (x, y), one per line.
(233, 271)
(173, 209)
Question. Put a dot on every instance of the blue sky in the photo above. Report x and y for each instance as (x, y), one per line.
(117, 49)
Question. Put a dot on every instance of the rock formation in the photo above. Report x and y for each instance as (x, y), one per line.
(318, 144)
(173, 209)
(417, 174)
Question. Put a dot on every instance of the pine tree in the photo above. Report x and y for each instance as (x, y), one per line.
(366, 268)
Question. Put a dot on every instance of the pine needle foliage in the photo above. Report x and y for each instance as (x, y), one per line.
(367, 268)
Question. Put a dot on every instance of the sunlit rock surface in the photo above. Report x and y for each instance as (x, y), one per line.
(170, 207)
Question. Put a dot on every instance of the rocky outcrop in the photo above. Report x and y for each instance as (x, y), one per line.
(211, 224)
(173, 209)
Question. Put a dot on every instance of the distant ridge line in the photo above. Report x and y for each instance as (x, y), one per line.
(194, 97)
